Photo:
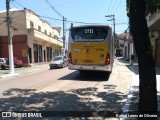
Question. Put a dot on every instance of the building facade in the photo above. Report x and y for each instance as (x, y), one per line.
(153, 21)
(122, 45)
(34, 39)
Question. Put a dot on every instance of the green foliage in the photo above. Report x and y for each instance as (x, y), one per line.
(127, 7)
(151, 6)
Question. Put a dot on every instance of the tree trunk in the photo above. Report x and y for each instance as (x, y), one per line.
(147, 75)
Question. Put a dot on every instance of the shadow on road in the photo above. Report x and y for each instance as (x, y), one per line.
(86, 76)
(84, 102)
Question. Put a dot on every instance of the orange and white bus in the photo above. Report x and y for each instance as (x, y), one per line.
(91, 47)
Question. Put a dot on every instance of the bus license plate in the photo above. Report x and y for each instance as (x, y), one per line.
(88, 61)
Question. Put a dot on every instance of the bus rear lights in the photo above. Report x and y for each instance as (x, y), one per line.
(70, 58)
(108, 58)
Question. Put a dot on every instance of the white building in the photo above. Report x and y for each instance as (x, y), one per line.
(154, 28)
(34, 39)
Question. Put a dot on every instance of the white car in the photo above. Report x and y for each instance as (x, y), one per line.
(58, 61)
(4, 63)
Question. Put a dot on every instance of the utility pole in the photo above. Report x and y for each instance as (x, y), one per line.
(113, 19)
(64, 36)
(10, 46)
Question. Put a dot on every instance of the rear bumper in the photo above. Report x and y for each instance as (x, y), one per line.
(55, 65)
(19, 65)
(5, 65)
(90, 67)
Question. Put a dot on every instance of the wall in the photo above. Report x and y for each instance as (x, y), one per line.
(45, 27)
(20, 47)
(18, 23)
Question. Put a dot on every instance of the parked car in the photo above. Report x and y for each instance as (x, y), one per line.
(4, 63)
(17, 62)
(58, 61)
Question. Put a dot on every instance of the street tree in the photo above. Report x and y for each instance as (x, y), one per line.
(137, 11)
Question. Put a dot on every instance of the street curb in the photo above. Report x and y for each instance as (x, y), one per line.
(132, 90)
(23, 72)
(129, 96)
(10, 75)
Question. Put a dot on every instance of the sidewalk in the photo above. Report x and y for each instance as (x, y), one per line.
(131, 104)
(24, 70)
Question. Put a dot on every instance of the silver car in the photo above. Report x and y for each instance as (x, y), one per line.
(58, 61)
(4, 63)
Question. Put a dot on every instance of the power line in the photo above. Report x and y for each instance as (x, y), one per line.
(122, 14)
(110, 5)
(117, 6)
(19, 4)
(67, 20)
(28, 5)
(78, 22)
(114, 6)
(64, 19)
(65, 3)
(53, 8)
(14, 4)
(50, 18)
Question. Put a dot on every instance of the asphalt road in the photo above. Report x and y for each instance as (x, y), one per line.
(66, 90)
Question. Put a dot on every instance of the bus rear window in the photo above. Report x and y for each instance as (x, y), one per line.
(89, 33)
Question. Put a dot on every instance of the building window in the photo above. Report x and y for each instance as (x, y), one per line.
(31, 24)
(56, 37)
(45, 31)
(50, 34)
(39, 28)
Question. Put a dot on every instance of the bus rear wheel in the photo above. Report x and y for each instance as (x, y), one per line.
(3, 67)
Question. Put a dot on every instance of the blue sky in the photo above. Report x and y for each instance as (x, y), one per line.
(87, 11)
